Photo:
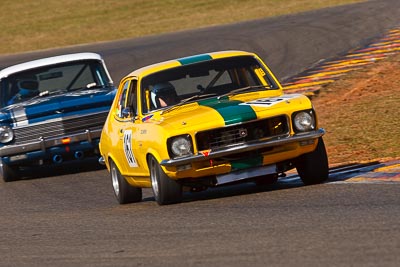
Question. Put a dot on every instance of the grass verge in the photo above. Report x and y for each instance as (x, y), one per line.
(361, 114)
(43, 24)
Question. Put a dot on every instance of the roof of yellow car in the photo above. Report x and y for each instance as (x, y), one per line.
(186, 60)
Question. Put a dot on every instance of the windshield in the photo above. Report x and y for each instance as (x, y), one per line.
(202, 80)
(48, 80)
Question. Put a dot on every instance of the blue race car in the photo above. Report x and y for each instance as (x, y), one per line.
(52, 110)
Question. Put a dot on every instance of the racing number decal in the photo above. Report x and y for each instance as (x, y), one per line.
(128, 149)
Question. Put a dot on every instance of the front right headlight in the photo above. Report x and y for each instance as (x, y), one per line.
(6, 134)
(304, 121)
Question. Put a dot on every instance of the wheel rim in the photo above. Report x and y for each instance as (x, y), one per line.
(114, 179)
(153, 177)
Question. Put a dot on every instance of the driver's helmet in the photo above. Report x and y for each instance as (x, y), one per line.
(163, 94)
(28, 88)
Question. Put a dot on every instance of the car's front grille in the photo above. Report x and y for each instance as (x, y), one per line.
(242, 133)
(60, 127)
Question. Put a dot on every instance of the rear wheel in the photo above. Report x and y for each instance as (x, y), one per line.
(313, 167)
(8, 173)
(166, 190)
(123, 191)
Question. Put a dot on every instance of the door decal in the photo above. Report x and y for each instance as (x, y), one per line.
(128, 149)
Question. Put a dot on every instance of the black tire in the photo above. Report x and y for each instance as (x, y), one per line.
(8, 173)
(165, 190)
(123, 191)
(313, 167)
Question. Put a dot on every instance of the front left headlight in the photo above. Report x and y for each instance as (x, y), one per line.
(180, 146)
(304, 121)
(6, 134)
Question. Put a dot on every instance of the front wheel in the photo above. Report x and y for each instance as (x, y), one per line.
(123, 191)
(313, 167)
(166, 190)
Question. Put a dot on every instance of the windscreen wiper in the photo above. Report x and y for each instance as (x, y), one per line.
(243, 89)
(88, 86)
(186, 100)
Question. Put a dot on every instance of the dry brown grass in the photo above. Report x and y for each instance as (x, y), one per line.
(361, 113)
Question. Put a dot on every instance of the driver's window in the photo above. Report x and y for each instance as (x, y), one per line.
(122, 100)
(132, 98)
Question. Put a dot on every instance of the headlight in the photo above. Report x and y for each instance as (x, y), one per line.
(6, 134)
(180, 146)
(304, 121)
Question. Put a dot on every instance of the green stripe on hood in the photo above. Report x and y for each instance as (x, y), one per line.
(231, 111)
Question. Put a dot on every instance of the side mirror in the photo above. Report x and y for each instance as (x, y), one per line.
(127, 112)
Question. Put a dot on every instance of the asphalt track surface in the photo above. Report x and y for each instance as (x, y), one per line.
(70, 218)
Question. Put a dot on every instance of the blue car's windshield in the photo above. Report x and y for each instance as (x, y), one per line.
(53, 79)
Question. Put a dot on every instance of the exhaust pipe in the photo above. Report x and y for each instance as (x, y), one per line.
(57, 159)
(79, 154)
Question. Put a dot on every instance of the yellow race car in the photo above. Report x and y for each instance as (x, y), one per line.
(207, 120)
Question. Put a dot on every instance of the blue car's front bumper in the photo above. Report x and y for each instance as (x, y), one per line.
(55, 150)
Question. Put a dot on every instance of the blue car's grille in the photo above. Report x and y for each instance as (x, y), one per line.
(61, 127)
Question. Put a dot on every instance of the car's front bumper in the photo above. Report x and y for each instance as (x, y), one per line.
(42, 145)
(246, 147)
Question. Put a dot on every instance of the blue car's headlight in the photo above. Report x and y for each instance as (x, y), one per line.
(6, 134)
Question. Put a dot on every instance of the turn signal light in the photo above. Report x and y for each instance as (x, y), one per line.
(66, 140)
